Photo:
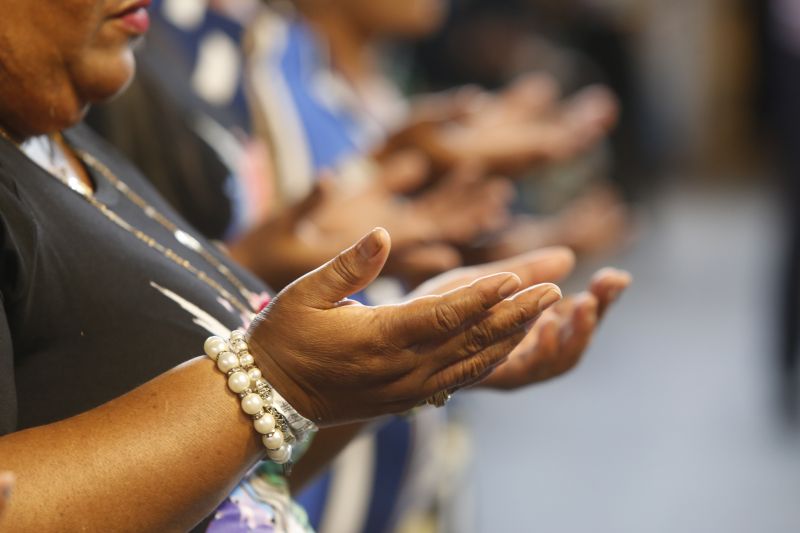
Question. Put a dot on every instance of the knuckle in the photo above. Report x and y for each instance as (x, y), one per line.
(473, 369)
(521, 315)
(344, 269)
(446, 317)
(477, 338)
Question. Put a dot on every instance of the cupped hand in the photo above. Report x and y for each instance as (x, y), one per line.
(338, 361)
(557, 341)
(458, 208)
(425, 228)
(596, 223)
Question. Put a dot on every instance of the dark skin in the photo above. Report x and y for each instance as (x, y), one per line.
(7, 480)
(553, 346)
(182, 432)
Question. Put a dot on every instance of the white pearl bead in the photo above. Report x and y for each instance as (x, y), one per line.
(246, 360)
(213, 346)
(238, 382)
(227, 361)
(274, 440)
(281, 455)
(261, 383)
(254, 373)
(252, 404)
(265, 425)
(237, 335)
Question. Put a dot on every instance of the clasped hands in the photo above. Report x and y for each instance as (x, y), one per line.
(338, 361)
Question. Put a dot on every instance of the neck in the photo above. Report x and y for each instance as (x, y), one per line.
(351, 46)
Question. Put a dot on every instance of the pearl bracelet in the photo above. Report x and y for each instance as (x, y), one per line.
(257, 397)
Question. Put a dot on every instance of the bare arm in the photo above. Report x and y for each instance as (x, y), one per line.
(159, 458)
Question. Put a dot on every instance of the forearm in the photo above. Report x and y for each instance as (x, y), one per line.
(159, 458)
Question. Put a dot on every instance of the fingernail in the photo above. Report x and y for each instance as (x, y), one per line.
(549, 298)
(370, 245)
(509, 287)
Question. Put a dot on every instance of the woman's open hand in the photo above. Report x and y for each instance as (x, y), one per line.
(337, 361)
(559, 338)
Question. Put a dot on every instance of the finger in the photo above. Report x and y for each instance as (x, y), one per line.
(344, 275)
(405, 171)
(532, 93)
(438, 317)
(539, 266)
(472, 369)
(607, 285)
(504, 319)
(565, 307)
(594, 105)
(447, 106)
(576, 334)
(468, 171)
(7, 481)
(530, 359)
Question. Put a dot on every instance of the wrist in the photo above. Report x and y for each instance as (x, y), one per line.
(281, 427)
(289, 389)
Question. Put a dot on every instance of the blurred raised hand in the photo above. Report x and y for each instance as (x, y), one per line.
(595, 223)
(509, 132)
(425, 227)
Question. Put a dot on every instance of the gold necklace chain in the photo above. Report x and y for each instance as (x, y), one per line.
(181, 236)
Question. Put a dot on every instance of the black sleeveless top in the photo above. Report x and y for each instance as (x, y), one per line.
(89, 311)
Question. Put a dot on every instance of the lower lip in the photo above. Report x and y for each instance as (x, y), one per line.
(137, 22)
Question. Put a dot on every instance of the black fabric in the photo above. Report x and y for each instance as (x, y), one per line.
(82, 320)
(155, 123)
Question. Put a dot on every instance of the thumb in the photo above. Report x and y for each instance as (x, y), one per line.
(347, 273)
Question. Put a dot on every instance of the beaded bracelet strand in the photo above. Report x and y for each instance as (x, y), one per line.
(271, 418)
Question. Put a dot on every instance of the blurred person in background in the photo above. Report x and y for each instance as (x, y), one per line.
(332, 102)
(206, 162)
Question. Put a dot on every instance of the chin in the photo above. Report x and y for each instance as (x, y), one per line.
(104, 77)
